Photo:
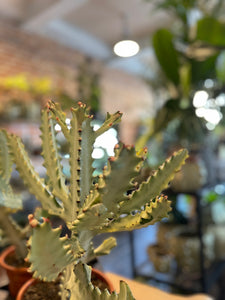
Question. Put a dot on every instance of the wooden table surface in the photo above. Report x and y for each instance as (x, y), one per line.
(139, 290)
(142, 291)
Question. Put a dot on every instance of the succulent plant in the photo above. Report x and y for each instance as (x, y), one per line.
(10, 203)
(113, 201)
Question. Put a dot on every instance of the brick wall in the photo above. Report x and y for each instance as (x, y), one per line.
(36, 56)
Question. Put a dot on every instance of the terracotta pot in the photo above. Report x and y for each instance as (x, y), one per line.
(96, 272)
(17, 276)
(100, 275)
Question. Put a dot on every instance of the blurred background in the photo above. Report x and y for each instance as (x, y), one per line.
(171, 90)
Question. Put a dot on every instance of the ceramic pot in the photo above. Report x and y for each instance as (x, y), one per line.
(160, 258)
(191, 177)
(166, 230)
(218, 232)
(98, 274)
(17, 276)
(185, 247)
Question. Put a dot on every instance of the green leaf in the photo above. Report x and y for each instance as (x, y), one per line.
(166, 54)
(106, 247)
(93, 219)
(152, 213)
(220, 66)
(155, 184)
(168, 112)
(201, 70)
(125, 163)
(185, 79)
(211, 31)
(49, 254)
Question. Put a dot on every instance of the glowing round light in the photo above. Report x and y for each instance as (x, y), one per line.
(98, 153)
(213, 116)
(200, 112)
(67, 121)
(200, 98)
(96, 127)
(220, 100)
(126, 48)
(107, 140)
(209, 83)
(210, 126)
(57, 127)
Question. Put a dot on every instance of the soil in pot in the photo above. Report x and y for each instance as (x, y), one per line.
(42, 291)
(12, 260)
(49, 290)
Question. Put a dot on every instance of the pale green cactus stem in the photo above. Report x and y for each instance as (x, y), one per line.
(113, 201)
(10, 202)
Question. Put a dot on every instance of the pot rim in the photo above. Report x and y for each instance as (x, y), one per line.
(7, 251)
(25, 287)
(101, 275)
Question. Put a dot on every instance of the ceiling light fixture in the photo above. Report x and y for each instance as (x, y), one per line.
(126, 47)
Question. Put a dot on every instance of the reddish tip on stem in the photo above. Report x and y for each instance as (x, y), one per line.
(46, 220)
(112, 158)
(30, 216)
(32, 221)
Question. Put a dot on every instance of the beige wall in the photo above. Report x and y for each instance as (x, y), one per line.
(37, 57)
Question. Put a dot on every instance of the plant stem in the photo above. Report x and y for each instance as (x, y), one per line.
(13, 234)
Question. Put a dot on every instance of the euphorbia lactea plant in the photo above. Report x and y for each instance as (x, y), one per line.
(116, 200)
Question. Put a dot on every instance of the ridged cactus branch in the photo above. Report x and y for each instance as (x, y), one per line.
(127, 164)
(14, 233)
(5, 158)
(78, 281)
(155, 183)
(9, 201)
(152, 213)
(75, 169)
(30, 177)
(49, 259)
(60, 116)
(118, 199)
(51, 157)
(106, 246)
(86, 160)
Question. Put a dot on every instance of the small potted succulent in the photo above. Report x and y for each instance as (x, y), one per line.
(116, 200)
(12, 257)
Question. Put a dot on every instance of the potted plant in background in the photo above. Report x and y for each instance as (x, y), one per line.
(12, 257)
(113, 201)
(190, 57)
(190, 79)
